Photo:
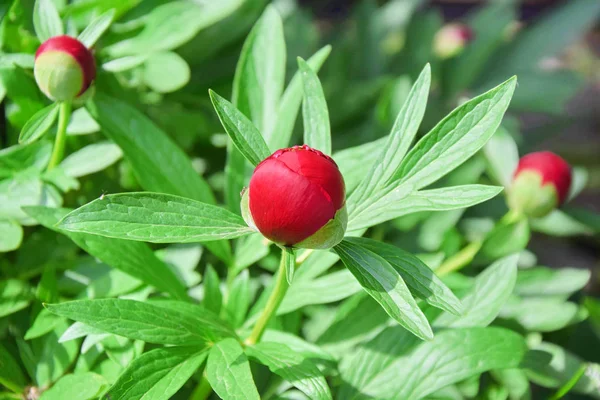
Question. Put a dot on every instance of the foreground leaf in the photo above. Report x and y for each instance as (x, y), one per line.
(419, 277)
(96, 28)
(459, 354)
(292, 367)
(11, 375)
(228, 371)
(133, 258)
(157, 374)
(39, 124)
(143, 321)
(155, 217)
(456, 138)
(385, 285)
(244, 135)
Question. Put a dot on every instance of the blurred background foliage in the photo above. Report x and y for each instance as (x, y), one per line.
(162, 57)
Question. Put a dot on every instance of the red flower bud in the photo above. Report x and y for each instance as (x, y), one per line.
(451, 40)
(64, 68)
(296, 198)
(541, 183)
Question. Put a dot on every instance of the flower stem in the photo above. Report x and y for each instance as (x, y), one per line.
(202, 390)
(460, 259)
(61, 134)
(560, 393)
(279, 291)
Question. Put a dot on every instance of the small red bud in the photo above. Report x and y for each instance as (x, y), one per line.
(541, 183)
(64, 68)
(296, 198)
(451, 40)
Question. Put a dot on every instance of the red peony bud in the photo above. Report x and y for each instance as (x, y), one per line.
(451, 40)
(64, 68)
(296, 198)
(541, 183)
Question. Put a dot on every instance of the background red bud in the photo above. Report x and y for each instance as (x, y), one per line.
(541, 183)
(451, 40)
(64, 68)
(294, 193)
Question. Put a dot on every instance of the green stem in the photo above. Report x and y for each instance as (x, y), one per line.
(460, 259)
(202, 390)
(279, 291)
(560, 393)
(61, 134)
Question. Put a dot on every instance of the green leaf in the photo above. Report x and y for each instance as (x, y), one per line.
(544, 281)
(326, 289)
(292, 367)
(297, 344)
(396, 145)
(183, 259)
(213, 297)
(385, 285)
(260, 72)
(11, 235)
(81, 386)
(44, 322)
(166, 72)
(228, 371)
(543, 314)
(244, 135)
(289, 264)
(502, 155)
(11, 375)
(401, 201)
(459, 354)
(20, 157)
(280, 135)
(561, 369)
(124, 63)
(420, 279)
(561, 224)
(158, 163)
(455, 139)
(157, 374)
(96, 28)
(91, 158)
(170, 25)
(154, 217)
(484, 301)
(249, 250)
(505, 239)
(82, 123)
(46, 20)
(15, 295)
(350, 167)
(317, 132)
(39, 124)
(239, 298)
(152, 323)
(133, 258)
(52, 358)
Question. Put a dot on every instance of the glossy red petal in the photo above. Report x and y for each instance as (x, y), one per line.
(285, 205)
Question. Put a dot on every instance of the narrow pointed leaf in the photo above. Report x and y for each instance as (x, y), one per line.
(228, 371)
(455, 139)
(401, 201)
(96, 28)
(39, 124)
(244, 135)
(155, 217)
(157, 374)
(292, 367)
(290, 104)
(398, 141)
(419, 277)
(290, 264)
(152, 323)
(46, 21)
(385, 285)
(317, 132)
(134, 258)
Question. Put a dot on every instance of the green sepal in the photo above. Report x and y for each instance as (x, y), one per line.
(527, 195)
(329, 235)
